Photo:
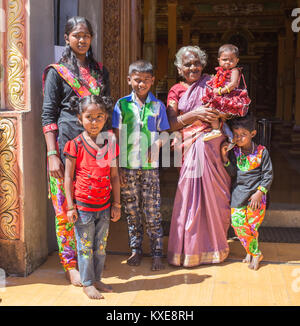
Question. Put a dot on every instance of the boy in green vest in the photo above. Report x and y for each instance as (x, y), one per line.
(137, 120)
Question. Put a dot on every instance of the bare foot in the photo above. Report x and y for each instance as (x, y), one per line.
(247, 259)
(92, 292)
(103, 287)
(135, 259)
(255, 262)
(157, 264)
(73, 276)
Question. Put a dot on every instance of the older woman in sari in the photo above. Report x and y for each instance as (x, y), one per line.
(201, 212)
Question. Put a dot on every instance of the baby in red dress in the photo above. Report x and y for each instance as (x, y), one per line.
(223, 93)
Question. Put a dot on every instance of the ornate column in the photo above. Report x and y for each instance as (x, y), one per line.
(149, 47)
(121, 39)
(295, 150)
(23, 187)
(289, 72)
(172, 41)
(186, 15)
(280, 76)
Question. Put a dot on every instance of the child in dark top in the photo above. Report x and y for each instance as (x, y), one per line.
(250, 167)
(96, 175)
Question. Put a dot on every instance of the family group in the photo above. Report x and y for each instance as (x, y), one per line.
(100, 160)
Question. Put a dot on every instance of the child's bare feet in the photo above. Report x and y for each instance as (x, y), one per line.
(247, 259)
(103, 287)
(157, 264)
(135, 259)
(255, 262)
(92, 292)
(73, 276)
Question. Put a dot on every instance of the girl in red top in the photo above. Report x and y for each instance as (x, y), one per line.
(91, 159)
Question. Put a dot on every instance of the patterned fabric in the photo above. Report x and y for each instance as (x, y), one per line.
(91, 230)
(141, 198)
(250, 161)
(90, 87)
(139, 128)
(64, 230)
(236, 102)
(245, 223)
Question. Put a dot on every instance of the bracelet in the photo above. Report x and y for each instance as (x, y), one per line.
(220, 88)
(115, 204)
(51, 153)
(227, 164)
(262, 189)
(228, 90)
(179, 119)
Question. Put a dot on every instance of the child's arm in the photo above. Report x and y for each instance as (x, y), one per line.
(69, 175)
(229, 164)
(234, 82)
(115, 183)
(266, 181)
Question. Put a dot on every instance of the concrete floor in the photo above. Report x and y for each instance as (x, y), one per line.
(231, 283)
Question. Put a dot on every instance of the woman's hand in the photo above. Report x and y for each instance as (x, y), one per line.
(72, 215)
(255, 200)
(224, 151)
(115, 213)
(56, 167)
(206, 114)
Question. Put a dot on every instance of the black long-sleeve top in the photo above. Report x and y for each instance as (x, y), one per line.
(249, 172)
(55, 110)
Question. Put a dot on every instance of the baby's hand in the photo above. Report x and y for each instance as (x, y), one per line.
(255, 200)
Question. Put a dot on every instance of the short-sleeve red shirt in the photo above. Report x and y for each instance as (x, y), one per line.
(92, 186)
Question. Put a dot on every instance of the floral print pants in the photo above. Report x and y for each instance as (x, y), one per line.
(245, 223)
(64, 230)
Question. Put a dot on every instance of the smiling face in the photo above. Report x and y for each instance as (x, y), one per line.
(93, 119)
(228, 60)
(79, 40)
(141, 83)
(191, 68)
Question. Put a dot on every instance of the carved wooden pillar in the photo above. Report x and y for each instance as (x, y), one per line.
(295, 137)
(172, 41)
(121, 41)
(149, 47)
(23, 187)
(289, 72)
(280, 76)
(186, 17)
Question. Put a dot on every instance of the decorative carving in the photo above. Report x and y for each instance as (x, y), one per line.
(238, 8)
(111, 41)
(16, 66)
(9, 175)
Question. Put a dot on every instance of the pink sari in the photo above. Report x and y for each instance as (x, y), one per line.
(201, 212)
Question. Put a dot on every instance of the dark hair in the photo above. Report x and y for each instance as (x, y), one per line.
(69, 59)
(79, 105)
(229, 48)
(140, 66)
(247, 122)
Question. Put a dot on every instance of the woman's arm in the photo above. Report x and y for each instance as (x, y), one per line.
(69, 176)
(50, 114)
(202, 113)
(115, 183)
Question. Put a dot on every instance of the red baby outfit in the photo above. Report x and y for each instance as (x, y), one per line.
(92, 186)
(236, 102)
